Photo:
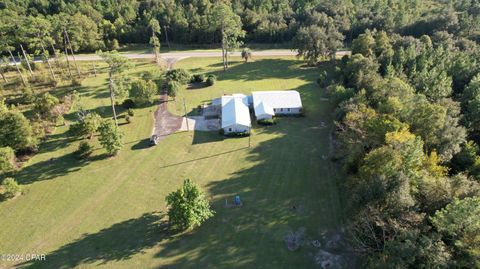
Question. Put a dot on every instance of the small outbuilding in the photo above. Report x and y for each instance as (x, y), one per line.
(271, 103)
(235, 114)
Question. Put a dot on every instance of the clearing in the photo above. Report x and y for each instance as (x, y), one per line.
(110, 212)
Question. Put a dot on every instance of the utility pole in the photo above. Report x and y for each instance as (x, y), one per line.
(94, 69)
(186, 119)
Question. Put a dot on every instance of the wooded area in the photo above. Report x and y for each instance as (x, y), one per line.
(407, 99)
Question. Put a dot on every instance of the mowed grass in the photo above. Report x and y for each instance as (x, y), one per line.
(109, 212)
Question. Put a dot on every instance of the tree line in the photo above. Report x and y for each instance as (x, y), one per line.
(407, 136)
(94, 25)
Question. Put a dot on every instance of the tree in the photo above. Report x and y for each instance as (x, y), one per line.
(173, 87)
(315, 41)
(246, 54)
(8, 27)
(364, 44)
(154, 41)
(459, 223)
(116, 64)
(16, 131)
(187, 207)
(110, 137)
(7, 160)
(37, 29)
(230, 26)
(10, 188)
(471, 103)
(142, 91)
(45, 104)
(89, 124)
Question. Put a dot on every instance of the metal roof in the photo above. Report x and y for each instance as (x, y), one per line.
(235, 110)
(276, 99)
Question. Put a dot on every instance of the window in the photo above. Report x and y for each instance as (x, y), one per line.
(229, 129)
(281, 109)
(288, 109)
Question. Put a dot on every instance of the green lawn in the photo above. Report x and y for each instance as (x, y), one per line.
(110, 211)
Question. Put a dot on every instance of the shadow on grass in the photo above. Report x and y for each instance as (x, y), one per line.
(263, 69)
(142, 144)
(202, 137)
(116, 243)
(54, 167)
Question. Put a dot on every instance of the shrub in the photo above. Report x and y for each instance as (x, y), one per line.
(188, 207)
(128, 104)
(7, 160)
(84, 150)
(267, 122)
(339, 93)
(142, 91)
(76, 82)
(246, 54)
(198, 78)
(130, 112)
(172, 88)
(180, 75)
(322, 79)
(211, 79)
(10, 188)
(28, 96)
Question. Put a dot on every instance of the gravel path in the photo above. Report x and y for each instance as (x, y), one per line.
(165, 122)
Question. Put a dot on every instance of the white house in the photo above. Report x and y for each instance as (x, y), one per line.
(235, 114)
(270, 103)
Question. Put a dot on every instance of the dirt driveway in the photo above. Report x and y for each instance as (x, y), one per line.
(165, 122)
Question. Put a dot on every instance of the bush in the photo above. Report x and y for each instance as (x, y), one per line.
(28, 96)
(211, 79)
(180, 75)
(322, 79)
(267, 122)
(128, 104)
(7, 160)
(142, 91)
(76, 82)
(84, 150)
(338, 93)
(130, 112)
(187, 207)
(198, 78)
(172, 88)
(10, 188)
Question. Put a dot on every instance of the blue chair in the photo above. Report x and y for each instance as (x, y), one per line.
(237, 200)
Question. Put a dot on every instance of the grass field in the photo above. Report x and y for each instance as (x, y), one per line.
(110, 211)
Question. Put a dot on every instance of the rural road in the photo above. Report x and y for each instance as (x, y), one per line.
(199, 54)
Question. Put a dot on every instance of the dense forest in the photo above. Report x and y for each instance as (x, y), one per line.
(99, 24)
(407, 100)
